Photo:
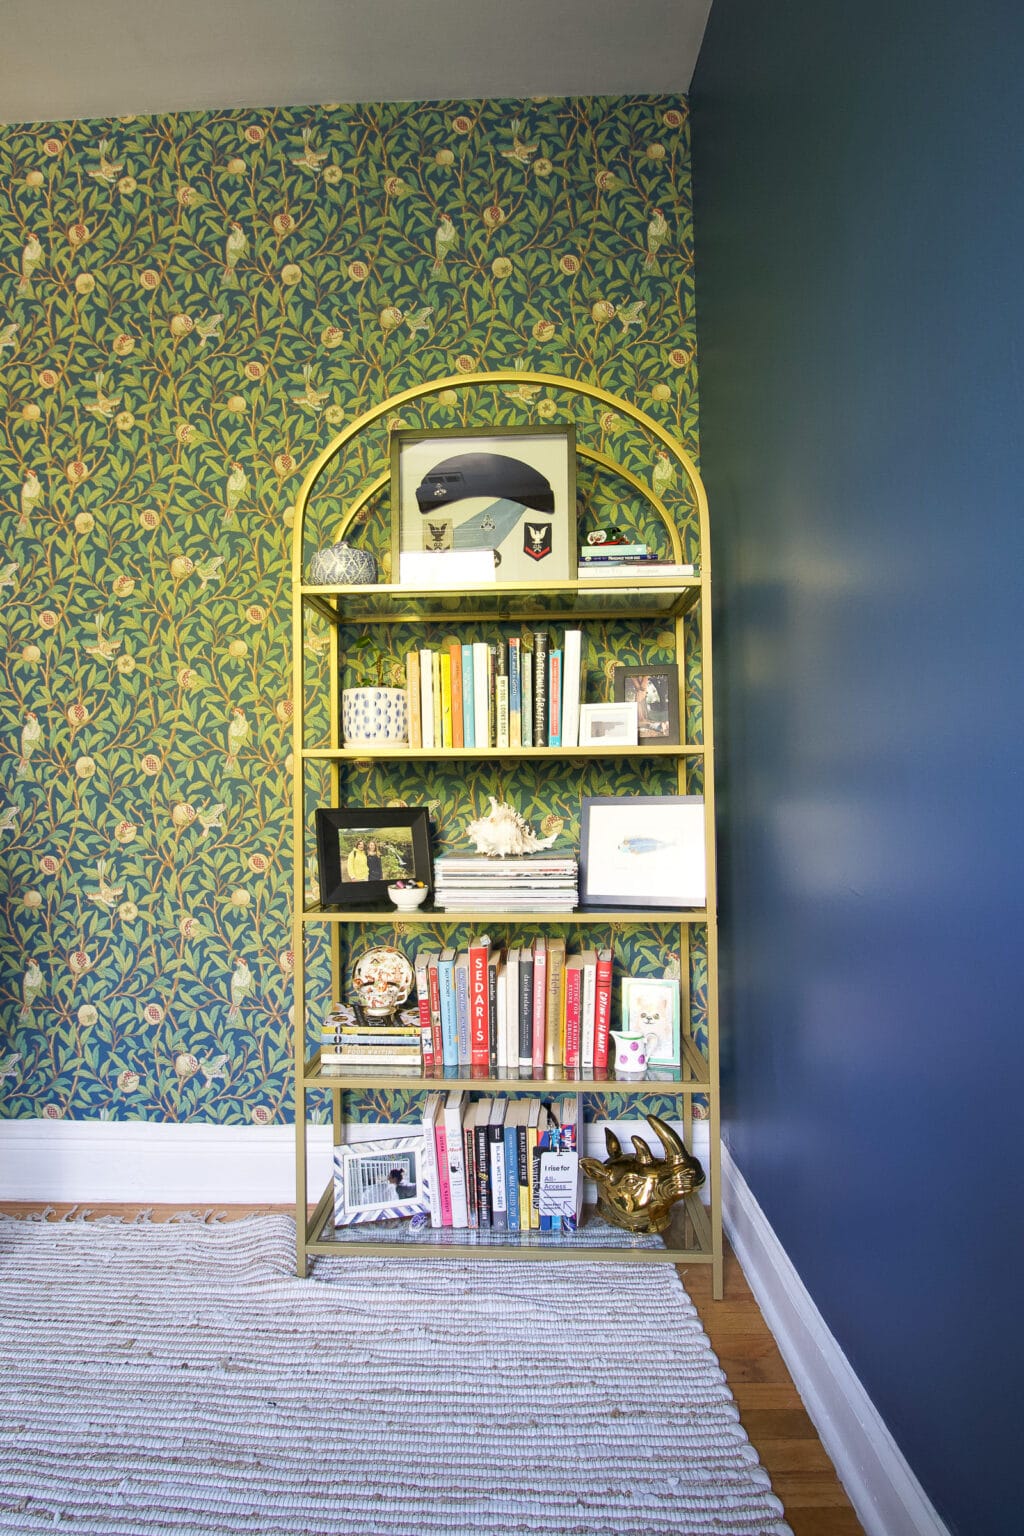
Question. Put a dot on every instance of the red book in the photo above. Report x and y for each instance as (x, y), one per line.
(603, 1012)
(423, 1004)
(540, 999)
(455, 651)
(434, 995)
(573, 1010)
(479, 1011)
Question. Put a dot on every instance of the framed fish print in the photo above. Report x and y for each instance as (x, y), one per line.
(509, 491)
(642, 851)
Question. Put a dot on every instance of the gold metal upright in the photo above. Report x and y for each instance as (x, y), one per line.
(701, 1240)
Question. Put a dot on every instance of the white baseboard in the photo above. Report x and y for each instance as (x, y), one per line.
(143, 1162)
(883, 1490)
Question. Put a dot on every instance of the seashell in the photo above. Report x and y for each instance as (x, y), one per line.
(503, 833)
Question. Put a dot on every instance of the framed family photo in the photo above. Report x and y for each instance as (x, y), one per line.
(654, 690)
(380, 1180)
(642, 851)
(507, 491)
(362, 850)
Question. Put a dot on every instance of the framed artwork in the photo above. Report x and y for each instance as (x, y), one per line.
(650, 1006)
(361, 851)
(509, 491)
(608, 725)
(381, 1180)
(655, 691)
(642, 851)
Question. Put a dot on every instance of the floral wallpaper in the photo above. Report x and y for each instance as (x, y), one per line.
(190, 309)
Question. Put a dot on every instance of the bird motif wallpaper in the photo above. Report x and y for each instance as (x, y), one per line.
(191, 307)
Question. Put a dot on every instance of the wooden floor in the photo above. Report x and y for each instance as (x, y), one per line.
(770, 1406)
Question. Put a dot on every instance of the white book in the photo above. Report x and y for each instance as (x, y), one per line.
(588, 1011)
(496, 1156)
(427, 697)
(456, 1157)
(430, 1156)
(481, 694)
(572, 659)
(512, 1009)
(501, 1023)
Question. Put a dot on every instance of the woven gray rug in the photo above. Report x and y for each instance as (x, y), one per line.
(179, 1378)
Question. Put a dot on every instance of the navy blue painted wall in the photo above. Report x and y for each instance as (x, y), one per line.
(859, 173)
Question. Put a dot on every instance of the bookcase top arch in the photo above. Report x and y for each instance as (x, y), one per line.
(470, 381)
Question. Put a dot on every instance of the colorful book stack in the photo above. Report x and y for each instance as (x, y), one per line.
(515, 1011)
(620, 558)
(531, 882)
(523, 692)
(484, 1160)
(349, 1038)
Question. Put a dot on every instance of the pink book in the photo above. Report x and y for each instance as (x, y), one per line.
(443, 1182)
(573, 1007)
(603, 1011)
(540, 999)
(423, 1005)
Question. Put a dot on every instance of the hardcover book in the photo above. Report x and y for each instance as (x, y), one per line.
(554, 1030)
(479, 1021)
(603, 1009)
(458, 723)
(540, 687)
(468, 696)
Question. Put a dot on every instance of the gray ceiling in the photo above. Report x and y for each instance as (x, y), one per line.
(104, 58)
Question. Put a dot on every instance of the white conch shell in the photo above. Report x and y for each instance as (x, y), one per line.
(503, 832)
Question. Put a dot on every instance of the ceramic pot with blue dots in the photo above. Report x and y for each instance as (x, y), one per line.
(374, 717)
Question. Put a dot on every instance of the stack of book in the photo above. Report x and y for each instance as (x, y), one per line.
(523, 692)
(531, 882)
(348, 1037)
(515, 1011)
(485, 1161)
(602, 560)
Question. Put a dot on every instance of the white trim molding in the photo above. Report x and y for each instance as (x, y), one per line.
(883, 1490)
(148, 1162)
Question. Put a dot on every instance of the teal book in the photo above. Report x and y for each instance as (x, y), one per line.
(468, 712)
(449, 1020)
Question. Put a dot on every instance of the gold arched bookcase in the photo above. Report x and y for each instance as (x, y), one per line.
(680, 605)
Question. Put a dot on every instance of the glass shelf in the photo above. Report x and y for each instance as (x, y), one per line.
(429, 914)
(691, 1077)
(598, 598)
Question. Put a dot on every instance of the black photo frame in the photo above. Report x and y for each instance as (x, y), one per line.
(655, 691)
(402, 838)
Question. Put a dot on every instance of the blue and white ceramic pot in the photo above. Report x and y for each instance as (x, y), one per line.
(374, 717)
(342, 565)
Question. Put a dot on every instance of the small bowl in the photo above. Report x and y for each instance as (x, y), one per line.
(407, 897)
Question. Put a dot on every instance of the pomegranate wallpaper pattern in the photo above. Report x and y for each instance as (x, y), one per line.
(191, 307)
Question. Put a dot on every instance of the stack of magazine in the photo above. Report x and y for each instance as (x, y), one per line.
(531, 882)
(350, 1037)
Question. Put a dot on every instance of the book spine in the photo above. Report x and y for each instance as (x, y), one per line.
(515, 693)
(501, 709)
(501, 1010)
(458, 729)
(492, 1012)
(492, 704)
(484, 1207)
(573, 1011)
(540, 997)
(540, 687)
(427, 697)
(587, 1013)
(462, 1029)
(568, 1142)
(555, 697)
(412, 689)
(479, 1033)
(544, 1144)
(480, 713)
(554, 1048)
(435, 657)
(603, 1010)
(456, 1159)
(523, 1174)
(526, 668)
(446, 985)
(572, 663)
(468, 721)
(469, 1156)
(434, 993)
(423, 1008)
(443, 1177)
(499, 1192)
(525, 1010)
(598, 552)
(446, 698)
(532, 1135)
(511, 1175)
(512, 1009)
(430, 1158)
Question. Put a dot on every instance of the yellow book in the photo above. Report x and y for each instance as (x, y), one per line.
(446, 699)
(554, 1017)
(437, 698)
(412, 688)
(533, 1129)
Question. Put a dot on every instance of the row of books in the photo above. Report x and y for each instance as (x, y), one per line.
(486, 1162)
(616, 563)
(530, 882)
(349, 1039)
(515, 1009)
(514, 694)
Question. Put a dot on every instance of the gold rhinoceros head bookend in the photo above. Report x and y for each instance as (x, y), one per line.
(638, 1190)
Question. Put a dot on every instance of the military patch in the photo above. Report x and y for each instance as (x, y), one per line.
(537, 540)
(438, 534)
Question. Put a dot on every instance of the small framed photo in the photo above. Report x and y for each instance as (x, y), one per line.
(361, 851)
(380, 1180)
(508, 491)
(608, 725)
(655, 691)
(650, 1006)
(642, 851)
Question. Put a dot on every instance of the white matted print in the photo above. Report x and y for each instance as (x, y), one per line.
(509, 491)
(608, 725)
(643, 851)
